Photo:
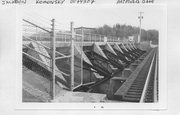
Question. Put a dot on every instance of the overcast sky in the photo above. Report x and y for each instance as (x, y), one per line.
(97, 15)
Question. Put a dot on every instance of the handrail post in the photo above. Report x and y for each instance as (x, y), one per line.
(53, 60)
(72, 56)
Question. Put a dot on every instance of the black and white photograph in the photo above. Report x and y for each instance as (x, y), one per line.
(73, 57)
(90, 54)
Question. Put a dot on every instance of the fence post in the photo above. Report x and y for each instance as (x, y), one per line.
(53, 60)
(72, 55)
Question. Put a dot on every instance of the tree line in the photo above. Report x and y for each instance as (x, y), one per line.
(122, 31)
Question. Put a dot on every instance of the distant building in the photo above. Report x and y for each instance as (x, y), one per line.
(86, 30)
(89, 34)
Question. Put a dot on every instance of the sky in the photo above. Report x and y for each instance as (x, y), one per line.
(97, 15)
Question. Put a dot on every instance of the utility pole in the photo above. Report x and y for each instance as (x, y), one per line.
(140, 17)
(53, 49)
(82, 40)
(147, 36)
(72, 56)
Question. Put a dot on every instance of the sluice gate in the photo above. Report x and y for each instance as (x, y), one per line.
(119, 71)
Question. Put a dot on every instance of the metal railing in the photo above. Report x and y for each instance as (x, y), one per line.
(42, 34)
(37, 34)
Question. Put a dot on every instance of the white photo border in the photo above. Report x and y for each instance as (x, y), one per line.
(162, 102)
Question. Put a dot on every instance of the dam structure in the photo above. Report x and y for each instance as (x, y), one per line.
(78, 66)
